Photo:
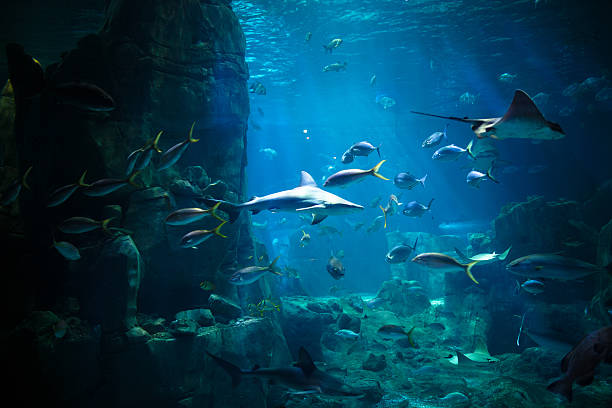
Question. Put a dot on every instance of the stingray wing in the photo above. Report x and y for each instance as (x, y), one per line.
(522, 108)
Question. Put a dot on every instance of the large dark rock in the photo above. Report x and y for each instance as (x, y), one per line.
(400, 297)
(223, 309)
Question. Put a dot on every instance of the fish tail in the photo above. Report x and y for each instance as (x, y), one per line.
(374, 170)
(105, 223)
(24, 179)
(190, 138)
(231, 209)
(130, 179)
(385, 214)
(469, 149)
(410, 337)
(445, 128)
(213, 212)
(562, 387)
(490, 175)
(468, 271)
(504, 254)
(217, 230)
(422, 180)
(81, 181)
(416, 241)
(429, 205)
(234, 371)
(273, 264)
(156, 140)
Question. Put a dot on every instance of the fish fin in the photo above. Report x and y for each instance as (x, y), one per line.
(422, 180)
(378, 150)
(156, 140)
(585, 380)
(410, 337)
(305, 362)
(213, 212)
(130, 179)
(385, 214)
(190, 138)
(81, 181)
(105, 223)
(468, 271)
(307, 180)
(504, 254)
(468, 148)
(218, 228)
(429, 205)
(316, 219)
(234, 371)
(416, 241)
(374, 171)
(461, 254)
(490, 175)
(24, 179)
(273, 264)
(231, 209)
(562, 387)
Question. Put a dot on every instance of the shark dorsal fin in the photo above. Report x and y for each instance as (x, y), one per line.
(307, 180)
(481, 347)
(522, 107)
(305, 362)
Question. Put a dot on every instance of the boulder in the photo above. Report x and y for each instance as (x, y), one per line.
(400, 297)
(223, 309)
(146, 215)
(203, 317)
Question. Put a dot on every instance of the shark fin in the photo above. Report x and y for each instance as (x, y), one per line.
(312, 207)
(234, 371)
(317, 218)
(305, 362)
(307, 180)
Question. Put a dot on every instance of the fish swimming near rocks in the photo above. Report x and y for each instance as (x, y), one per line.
(257, 88)
(416, 209)
(84, 96)
(67, 250)
(333, 44)
(336, 66)
(395, 332)
(480, 356)
(363, 149)
(553, 266)
(401, 253)
(106, 186)
(408, 181)
(186, 216)
(173, 154)
(533, 286)
(307, 197)
(79, 225)
(250, 274)
(347, 334)
(194, 238)
(346, 177)
(10, 194)
(522, 120)
(452, 152)
(301, 376)
(139, 159)
(580, 363)
(444, 263)
(335, 268)
(435, 138)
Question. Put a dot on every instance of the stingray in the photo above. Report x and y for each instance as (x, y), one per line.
(480, 357)
(522, 120)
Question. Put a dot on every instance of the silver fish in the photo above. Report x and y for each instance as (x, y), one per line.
(67, 250)
(434, 139)
(552, 266)
(416, 209)
(173, 154)
(186, 216)
(103, 187)
(79, 225)
(408, 181)
(62, 194)
(345, 177)
(452, 152)
(194, 238)
(363, 149)
(250, 274)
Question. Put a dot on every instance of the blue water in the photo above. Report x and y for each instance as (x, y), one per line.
(425, 55)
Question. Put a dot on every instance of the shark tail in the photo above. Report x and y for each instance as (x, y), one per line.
(374, 170)
(562, 387)
(385, 214)
(234, 371)
(422, 180)
(190, 138)
(468, 271)
(233, 210)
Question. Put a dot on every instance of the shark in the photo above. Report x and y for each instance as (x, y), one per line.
(522, 120)
(307, 197)
(303, 376)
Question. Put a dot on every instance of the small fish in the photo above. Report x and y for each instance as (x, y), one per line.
(308, 37)
(416, 209)
(533, 286)
(435, 138)
(268, 153)
(60, 328)
(474, 177)
(454, 398)
(579, 364)
(373, 80)
(345, 177)
(363, 149)
(103, 187)
(305, 240)
(67, 250)
(10, 194)
(145, 155)
(186, 216)
(335, 268)
(452, 152)
(445, 263)
(407, 181)
(401, 253)
(257, 88)
(62, 194)
(195, 238)
(347, 157)
(207, 286)
(386, 102)
(84, 96)
(394, 332)
(336, 66)
(507, 77)
(335, 43)
(250, 274)
(79, 225)
(347, 334)
(173, 154)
